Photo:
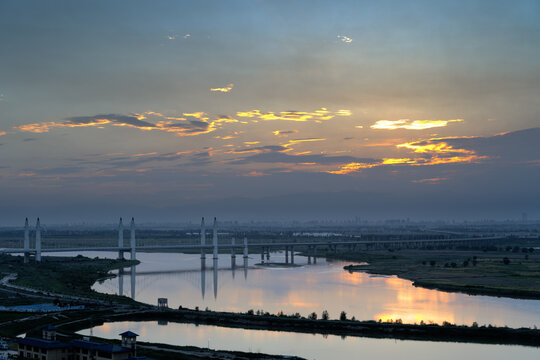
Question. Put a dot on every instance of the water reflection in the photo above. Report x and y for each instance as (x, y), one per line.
(309, 288)
(313, 346)
(215, 269)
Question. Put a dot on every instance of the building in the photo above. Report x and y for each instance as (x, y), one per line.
(49, 348)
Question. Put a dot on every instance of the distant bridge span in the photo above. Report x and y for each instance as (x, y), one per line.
(215, 246)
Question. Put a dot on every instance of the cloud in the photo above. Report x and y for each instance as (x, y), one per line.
(255, 174)
(297, 141)
(518, 147)
(345, 39)
(177, 125)
(302, 116)
(430, 181)
(260, 149)
(411, 125)
(280, 156)
(2, 133)
(223, 89)
(284, 133)
(171, 37)
(436, 151)
(187, 36)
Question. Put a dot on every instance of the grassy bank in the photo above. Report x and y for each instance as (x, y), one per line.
(372, 329)
(496, 272)
(71, 276)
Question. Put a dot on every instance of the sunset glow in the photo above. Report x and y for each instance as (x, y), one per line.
(349, 99)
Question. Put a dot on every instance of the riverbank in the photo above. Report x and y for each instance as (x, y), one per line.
(371, 329)
(513, 274)
(62, 278)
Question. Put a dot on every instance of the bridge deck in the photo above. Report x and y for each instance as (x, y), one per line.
(252, 245)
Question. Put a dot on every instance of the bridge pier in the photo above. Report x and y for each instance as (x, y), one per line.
(314, 254)
(286, 254)
(215, 240)
(133, 277)
(245, 249)
(292, 255)
(268, 253)
(26, 242)
(121, 282)
(38, 241)
(245, 267)
(132, 239)
(233, 255)
(203, 278)
(203, 241)
(215, 277)
(262, 254)
(120, 240)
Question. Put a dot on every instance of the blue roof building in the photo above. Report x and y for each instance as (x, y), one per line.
(48, 348)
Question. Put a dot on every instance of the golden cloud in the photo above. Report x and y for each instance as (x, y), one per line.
(254, 174)
(179, 126)
(433, 146)
(432, 180)
(434, 151)
(302, 116)
(223, 89)
(297, 141)
(2, 133)
(411, 125)
(284, 133)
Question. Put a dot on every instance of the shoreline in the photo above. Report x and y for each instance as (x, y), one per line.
(370, 329)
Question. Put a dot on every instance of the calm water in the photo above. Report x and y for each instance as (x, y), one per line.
(312, 346)
(306, 289)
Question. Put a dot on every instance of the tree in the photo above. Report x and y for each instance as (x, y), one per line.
(325, 315)
(343, 316)
(506, 261)
(312, 316)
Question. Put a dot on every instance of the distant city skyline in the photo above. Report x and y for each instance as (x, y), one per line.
(266, 110)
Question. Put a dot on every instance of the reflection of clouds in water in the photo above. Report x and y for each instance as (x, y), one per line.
(314, 288)
(309, 346)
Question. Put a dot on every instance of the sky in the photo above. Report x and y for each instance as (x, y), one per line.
(269, 110)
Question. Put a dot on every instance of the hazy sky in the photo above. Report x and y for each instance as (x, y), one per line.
(171, 110)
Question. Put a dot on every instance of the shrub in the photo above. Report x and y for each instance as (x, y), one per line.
(506, 261)
(325, 315)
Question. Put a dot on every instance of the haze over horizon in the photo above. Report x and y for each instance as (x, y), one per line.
(169, 110)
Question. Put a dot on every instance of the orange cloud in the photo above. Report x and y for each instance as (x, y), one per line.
(224, 89)
(434, 151)
(38, 127)
(432, 180)
(2, 133)
(411, 125)
(254, 174)
(297, 141)
(179, 126)
(302, 116)
(351, 168)
(430, 146)
(284, 133)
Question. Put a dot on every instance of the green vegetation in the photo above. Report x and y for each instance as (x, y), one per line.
(70, 276)
(293, 323)
(493, 271)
